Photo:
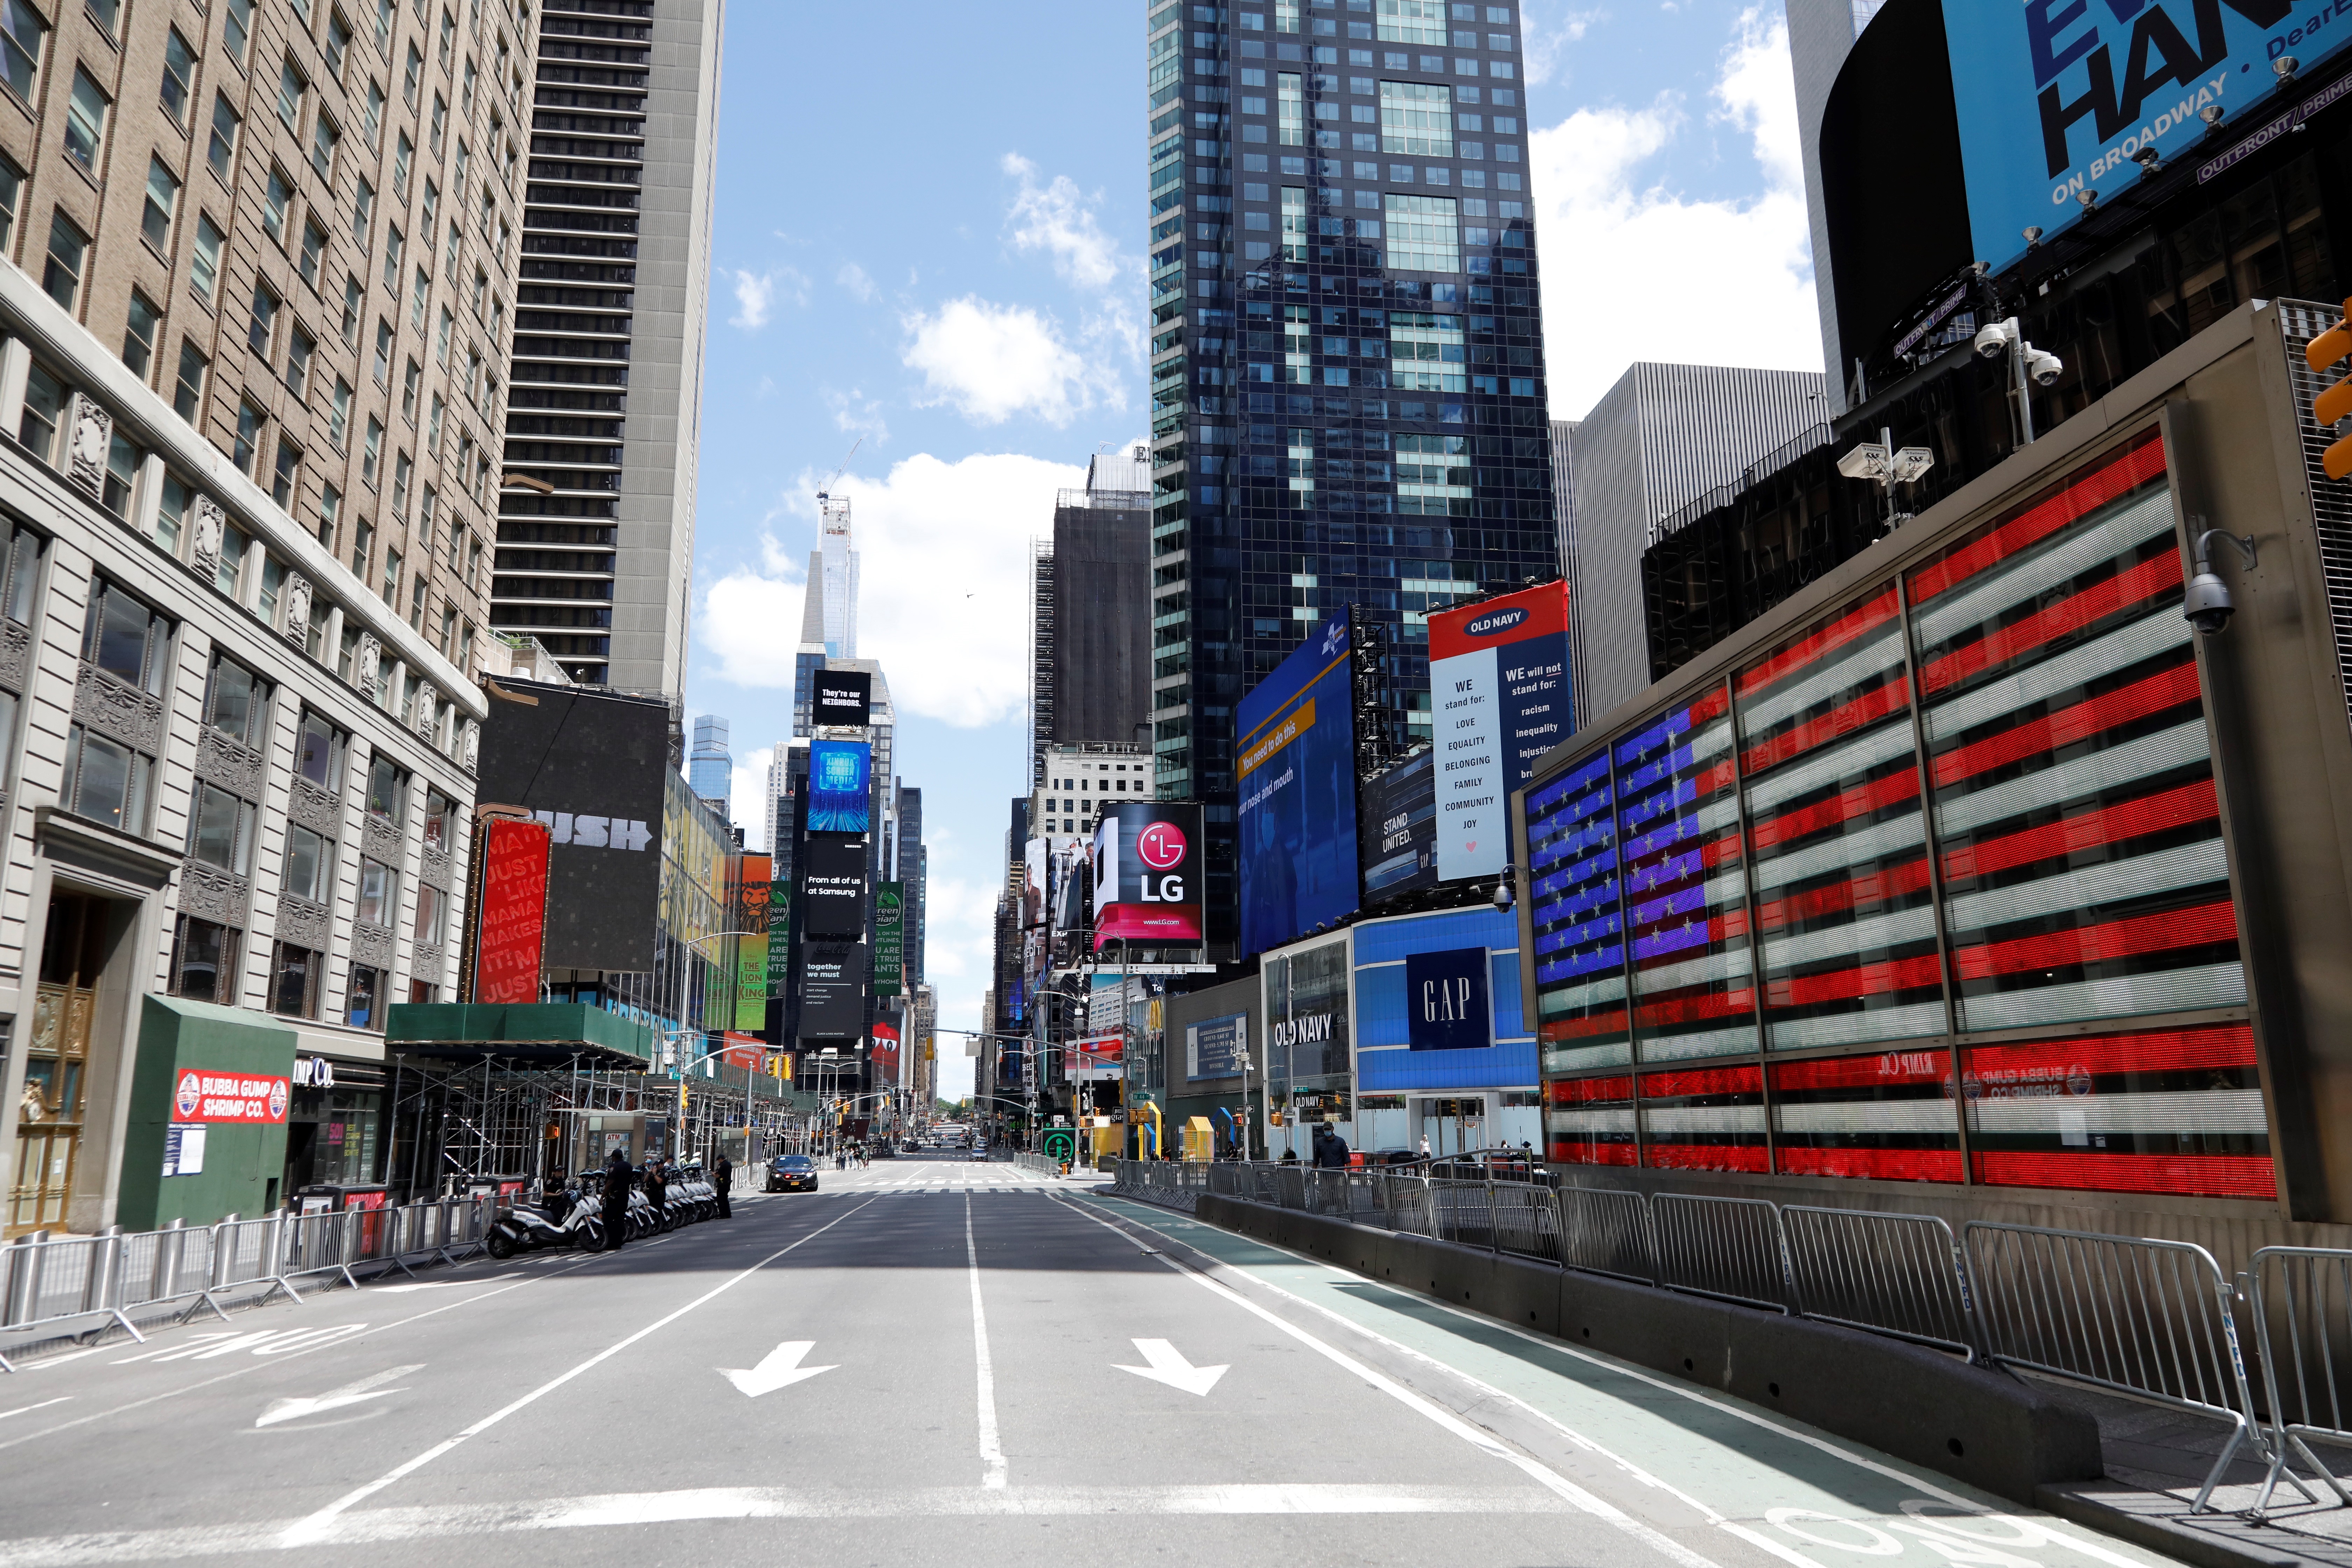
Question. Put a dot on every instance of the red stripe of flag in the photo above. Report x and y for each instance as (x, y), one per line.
(2212, 1175)
(1697, 1009)
(1711, 704)
(2175, 807)
(1855, 892)
(2197, 927)
(2126, 474)
(1836, 635)
(1569, 1151)
(1843, 984)
(2103, 598)
(2165, 689)
(1892, 1164)
(1706, 1156)
(1892, 695)
(1612, 1022)
(1702, 1080)
(1891, 789)
(1891, 1068)
(1591, 1091)
(2154, 1050)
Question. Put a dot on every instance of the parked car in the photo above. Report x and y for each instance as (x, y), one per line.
(791, 1174)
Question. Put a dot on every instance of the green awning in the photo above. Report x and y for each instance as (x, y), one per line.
(540, 1034)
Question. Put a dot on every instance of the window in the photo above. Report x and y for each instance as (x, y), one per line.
(179, 76)
(61, 274)
(162, 201)
(412, 381)
(421, 291)
(362, 1008)
(45, 410)
(203, 268)
(339, 44)
(236, 702)
(221, 151)
(372, 117)
(294, 980)
(171, 515)
(138, 334)
(429, 903)
(125, 638)
(440, 338)
(378, 894)
(291, 87)
(261, 334)
(123, 458)
(392, 577)
(314, 250)
(1417, 118)
(383, 352)
(392, 244)
(456, 245)
(404, 152)
(204, 961)
(1424, 235)
(274, 202)
(286, 475)
(371, 453)
(362, 213)
(1290, 110)
(20, 554)
(309, 864)
(229, 573)
(250, 421)
(325, 137)
(413, 76)
(428, 208)
(352, 299)
(330, 506)
(402, 468)
(299, 346)
(188, 387)
(437, 130)
(220, 830)
(12, 187)
(237, 29)
(387, 799)
(433, 426)
(449, 37)
(104, 781)
(21, 32)
(318, 752)
(466, 94)
(338, 418)
(84, 121)
(273, 579)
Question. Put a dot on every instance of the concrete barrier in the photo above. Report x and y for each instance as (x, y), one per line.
(1981, 1425)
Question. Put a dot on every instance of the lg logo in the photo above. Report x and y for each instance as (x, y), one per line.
(1161, 846)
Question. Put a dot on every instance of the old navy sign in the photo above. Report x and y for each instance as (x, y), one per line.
(1499, 699)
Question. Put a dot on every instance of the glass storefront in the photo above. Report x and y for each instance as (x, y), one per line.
(335, 1128)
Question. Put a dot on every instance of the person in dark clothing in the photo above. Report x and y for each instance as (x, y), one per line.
(617, 1200)
(1330, 1149)
(722, 1176)
(657, 1192)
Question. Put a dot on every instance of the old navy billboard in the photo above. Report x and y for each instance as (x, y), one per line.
(1148, 874)
(2055, 98)
(1499, 698)
(1296, 767)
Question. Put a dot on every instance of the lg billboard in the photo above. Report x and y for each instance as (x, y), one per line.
(1149, 875)
(1295, 766)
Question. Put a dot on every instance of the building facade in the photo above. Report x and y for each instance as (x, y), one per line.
(1347, 368)
(596, 531)
(1090, 622)
(1076, 782)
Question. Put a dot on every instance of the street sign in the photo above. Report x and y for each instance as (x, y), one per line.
(1061, 1145)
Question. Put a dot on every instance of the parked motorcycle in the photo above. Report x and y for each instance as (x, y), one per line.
(569, 1221)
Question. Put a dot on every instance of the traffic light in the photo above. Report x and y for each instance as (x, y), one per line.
(2335, 401)
(1273, 1117)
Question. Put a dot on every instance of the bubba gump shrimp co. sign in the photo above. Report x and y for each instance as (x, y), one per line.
(234, 1097)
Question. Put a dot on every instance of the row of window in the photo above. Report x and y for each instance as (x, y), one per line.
(206, 957)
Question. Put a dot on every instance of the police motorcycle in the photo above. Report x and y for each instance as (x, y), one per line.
(565, 1217)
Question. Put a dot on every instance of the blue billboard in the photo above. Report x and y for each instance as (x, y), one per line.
(841, 780)
(1295, 767)
(2054, 98)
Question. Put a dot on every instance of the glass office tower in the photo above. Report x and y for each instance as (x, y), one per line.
(1346, 351)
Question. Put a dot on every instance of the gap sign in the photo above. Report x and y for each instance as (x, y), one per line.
(1498, 691)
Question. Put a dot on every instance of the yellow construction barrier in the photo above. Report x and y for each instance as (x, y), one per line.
(1200, 1139)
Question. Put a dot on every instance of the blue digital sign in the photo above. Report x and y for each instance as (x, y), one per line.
(1296, 767)
(841, 777)
(2055, 98)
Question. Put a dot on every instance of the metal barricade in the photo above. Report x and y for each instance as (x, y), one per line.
(167, 1265)
(1408, 1205)
(1525, 1220)
(1288, 1183)
(1460, 1211)
(2302, 1301)
(2142, 1316)
(1729, 1249)
(1606, 1230)
(1895, 1274)
(320, 1244)
(48, 1281)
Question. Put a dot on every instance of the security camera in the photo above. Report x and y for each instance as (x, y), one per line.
(1992, 342)
(2206, 605)
(2044, 367)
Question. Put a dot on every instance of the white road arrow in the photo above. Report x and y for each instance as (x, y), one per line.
(780, 1368)
(336, 1398)
(1169, 1366)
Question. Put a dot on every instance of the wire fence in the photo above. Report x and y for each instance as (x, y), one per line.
(2268, 1352)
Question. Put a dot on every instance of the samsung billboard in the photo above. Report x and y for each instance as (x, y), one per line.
(1296, 774)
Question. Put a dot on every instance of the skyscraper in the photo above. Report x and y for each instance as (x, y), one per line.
(596, 520)
(1348, 369)
(838, 573)
(709, 768)
(1090, 615)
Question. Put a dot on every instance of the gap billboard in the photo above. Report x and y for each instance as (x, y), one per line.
(1295, 763)
(1499, 699)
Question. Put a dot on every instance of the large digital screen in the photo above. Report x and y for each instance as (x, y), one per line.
(1400, 829)
(841, 779)
(1148, 874)
(2055, 97)
(832, 990)
(1295, 766)
(834, 890)
(1498, 692)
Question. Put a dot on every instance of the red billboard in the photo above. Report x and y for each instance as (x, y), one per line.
(749, 1052)
(511, 913)
(1149, 878)
(886, 1052)
(253, 1098)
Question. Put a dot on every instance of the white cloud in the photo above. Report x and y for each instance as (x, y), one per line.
(857, 415)
(755, 296)
(1056, 218)
(1548, 43)
(1637, 271)
(853, 278)
(747, 798)
(991, 362)
(944, 561)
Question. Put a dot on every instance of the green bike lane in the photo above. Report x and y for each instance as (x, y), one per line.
(1693, 1463)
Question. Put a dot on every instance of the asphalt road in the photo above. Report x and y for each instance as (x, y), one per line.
(936, 1360)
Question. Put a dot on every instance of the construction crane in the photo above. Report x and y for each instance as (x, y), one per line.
(825, 491)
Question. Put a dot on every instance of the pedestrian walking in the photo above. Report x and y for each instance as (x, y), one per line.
(1424, 1145)
(722, 1176)
(616, 1199)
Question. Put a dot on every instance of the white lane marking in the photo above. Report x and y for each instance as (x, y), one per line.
(281, 1410)
(2042, 1523)
(1541, 1474)
(1169, 1366)
(780, 1368)
(991, 1455)
(44, 1405)
(322, 1522)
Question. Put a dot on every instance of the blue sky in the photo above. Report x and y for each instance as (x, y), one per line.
(928, 242)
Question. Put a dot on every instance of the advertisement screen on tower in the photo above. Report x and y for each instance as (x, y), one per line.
(834, 889)
(1147, 880)
(1295, 772)
(1498, 700)
(841, 780)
